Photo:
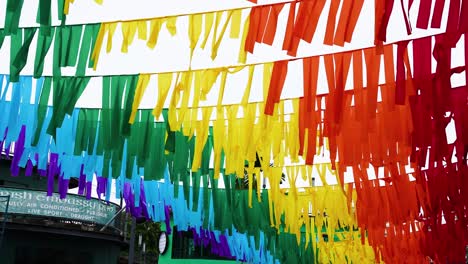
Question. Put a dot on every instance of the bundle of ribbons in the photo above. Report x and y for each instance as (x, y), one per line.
(169, 162)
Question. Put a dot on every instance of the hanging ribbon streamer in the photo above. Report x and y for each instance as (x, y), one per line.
(44, 13)
(13, 14)
(278, 78)
(19, 51)
(66, 92)
(44, 41)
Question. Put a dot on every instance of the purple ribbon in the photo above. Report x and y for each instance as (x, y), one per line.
(82, 181)
(19, 149)
(51, 173)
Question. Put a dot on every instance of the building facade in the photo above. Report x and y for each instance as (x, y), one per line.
(36, 228)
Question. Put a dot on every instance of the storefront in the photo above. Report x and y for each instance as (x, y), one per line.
(46, 229)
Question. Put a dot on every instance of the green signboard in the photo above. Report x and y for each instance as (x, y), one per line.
(73, 207)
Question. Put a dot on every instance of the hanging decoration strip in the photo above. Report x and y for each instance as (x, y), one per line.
(70, 48)
(247, 231)
(67, 40)
(43, 18)
(147, 199)
(80, 45)
(337, 113)
(303, 17)
(302, 26)
(405, 128)
(212, 23)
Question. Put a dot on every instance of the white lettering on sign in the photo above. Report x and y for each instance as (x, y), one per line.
(72, 207)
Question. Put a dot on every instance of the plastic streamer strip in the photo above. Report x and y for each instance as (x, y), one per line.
(242, 232)
(65, 142)
(73, 49)
(303, 17)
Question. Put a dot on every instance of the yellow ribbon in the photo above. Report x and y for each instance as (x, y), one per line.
(195, 28)
(164, 84)
(202, 135)
(143, 81)
(217, 39)
(242, 53)
(235, 23)
(218, 139)
(246, 96)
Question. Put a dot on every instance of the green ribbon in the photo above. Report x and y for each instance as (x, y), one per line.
(56, 70)
(2, 37)
(114, 127)
(206, 201)
(42, 108)
(170, 141)
(181, 161)
(67, 43)
(87, 46)
(19, 51)
(44, 41)
(186, 175)
(130, 84)
(156, 163)
(145, 128)
(60, 8)
(13, 14)
(105, 121)
(67, 91)
(71, 41)
(44, 13)
(86, 131)
(204, 170)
